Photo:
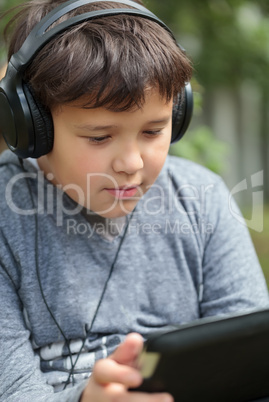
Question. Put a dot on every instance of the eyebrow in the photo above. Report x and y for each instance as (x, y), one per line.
(89, 127)
(161, 121)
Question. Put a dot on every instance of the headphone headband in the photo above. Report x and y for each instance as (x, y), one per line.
(25, 124)
(39, 36)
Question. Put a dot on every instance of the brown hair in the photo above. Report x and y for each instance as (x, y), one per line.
(108, 61)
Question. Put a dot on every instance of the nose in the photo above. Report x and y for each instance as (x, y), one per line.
(128, 159)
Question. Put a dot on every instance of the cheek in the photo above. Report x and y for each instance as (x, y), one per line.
(156, 166)
(156, 158)
(84, 164)
(77, 165)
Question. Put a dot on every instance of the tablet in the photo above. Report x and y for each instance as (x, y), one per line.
(210, 360)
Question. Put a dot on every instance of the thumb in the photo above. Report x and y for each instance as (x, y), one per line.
(128, 351)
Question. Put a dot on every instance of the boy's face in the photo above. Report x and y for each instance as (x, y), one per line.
(107, 160)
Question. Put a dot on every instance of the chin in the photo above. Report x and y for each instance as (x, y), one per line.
(119, 211)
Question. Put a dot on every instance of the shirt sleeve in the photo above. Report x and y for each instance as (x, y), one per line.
(232, 277)
(20, 375)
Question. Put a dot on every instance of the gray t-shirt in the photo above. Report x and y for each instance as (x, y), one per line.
(184, 255)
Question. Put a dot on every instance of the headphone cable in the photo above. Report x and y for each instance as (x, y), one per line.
(88, 330)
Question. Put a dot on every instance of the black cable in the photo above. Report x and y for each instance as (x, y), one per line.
(101, 298)
(67, 341)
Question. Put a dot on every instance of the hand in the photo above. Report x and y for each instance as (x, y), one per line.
(112, 377)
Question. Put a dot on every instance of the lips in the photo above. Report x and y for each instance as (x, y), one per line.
(123, 192)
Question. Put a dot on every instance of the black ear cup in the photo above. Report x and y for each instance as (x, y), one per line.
(42, 122)
(182, 113)
(25, 125)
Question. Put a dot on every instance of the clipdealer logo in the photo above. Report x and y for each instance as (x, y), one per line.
(50, 200)
(158, 227)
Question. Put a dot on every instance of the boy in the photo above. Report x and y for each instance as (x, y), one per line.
(104, 235)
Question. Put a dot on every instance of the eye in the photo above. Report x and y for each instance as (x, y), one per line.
(153, 133)
(98, 140)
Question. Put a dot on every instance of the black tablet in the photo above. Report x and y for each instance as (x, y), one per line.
(210, 360)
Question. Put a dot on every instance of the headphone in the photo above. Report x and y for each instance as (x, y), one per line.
(25, 124)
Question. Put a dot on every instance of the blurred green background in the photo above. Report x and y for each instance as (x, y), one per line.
(228, 42)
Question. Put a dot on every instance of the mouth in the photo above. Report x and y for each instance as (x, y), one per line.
(123, 192)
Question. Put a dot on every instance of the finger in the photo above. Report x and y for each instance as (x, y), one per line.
(108, 371)
(142, 396)
(128, 351)
(119, 393)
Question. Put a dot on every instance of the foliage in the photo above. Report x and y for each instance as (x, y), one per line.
(5, 5)
(199, 143)
(227, 39)
(202, 147)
